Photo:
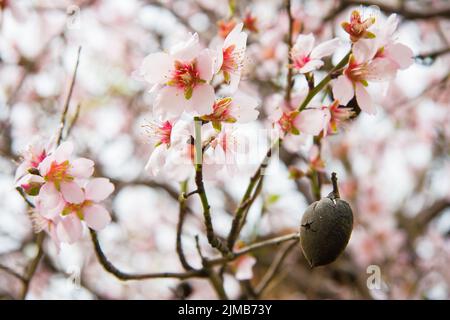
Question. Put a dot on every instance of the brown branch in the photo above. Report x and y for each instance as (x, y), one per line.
(109, 267)
(182, 214)
(246, 199)
(273, 269)
(12, 272)
(213, 240)
(388, 9)
(31, 269)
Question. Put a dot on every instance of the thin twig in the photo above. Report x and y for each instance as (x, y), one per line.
(68, 97)
(73, 122)
(109, 267)
(237, 225)
(213, 240)
(273, 269)
(12, 272)
(182, 214)
(32, 267)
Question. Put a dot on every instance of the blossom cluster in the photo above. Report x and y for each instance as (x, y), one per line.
(65, 194)
(190, 81)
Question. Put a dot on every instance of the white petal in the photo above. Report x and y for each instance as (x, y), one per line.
(69, 229)
(234, 36)
(311, 65)
(98, 189)
(81, 168)
(187, 50)
(156, 67)
(96, 217)
(325, 48)
(303, 45)
(72, 192)
(312, 121)
(343, 89)
(202, 99)
(401, 54)
(205, 65)
(64, 151)
(170, 101)
(364, 100)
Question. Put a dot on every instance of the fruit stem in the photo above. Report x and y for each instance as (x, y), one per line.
(335, 192)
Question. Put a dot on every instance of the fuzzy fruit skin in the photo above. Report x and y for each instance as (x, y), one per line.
(325, 230)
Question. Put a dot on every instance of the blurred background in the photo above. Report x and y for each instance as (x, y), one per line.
(393, 167)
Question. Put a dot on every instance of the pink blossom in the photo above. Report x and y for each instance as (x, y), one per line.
(181, 79)
(60, 171)
(230, 57)
(306, 58)
(64, 221)
(362, 67)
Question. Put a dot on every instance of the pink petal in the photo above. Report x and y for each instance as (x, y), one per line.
(235, 36)
(202, 99)
(312, 121)
(205, 65)
(401, 54)
(364, 100)
(45, 165)
(64, 151)
(343, 89)
(187, 50)
(169, 102)
(81, 168)
(325, 48)
(69, 229)
(363, 51)
(96, 217)
(311, 65)
(98, 189)
(49, 197)
(156, 67)
(157, 160)
(72, 192)
(303, 45)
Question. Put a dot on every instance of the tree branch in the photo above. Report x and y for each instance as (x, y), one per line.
(182, 214)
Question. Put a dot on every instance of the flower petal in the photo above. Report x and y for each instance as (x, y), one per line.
(96, 217)
(169, 102)
(364, 100)
(312, 121)
(343, 90)
(303, 45)
(98, 189)
(81, 168)
(49, 197)
(64, 151)
(187, 50)
(69, 229)
(325, 48)
(205, 65)
(401, 54)
(311, 65)
(72, 192)
(244, 270)
(202, 99)
(156, 67)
